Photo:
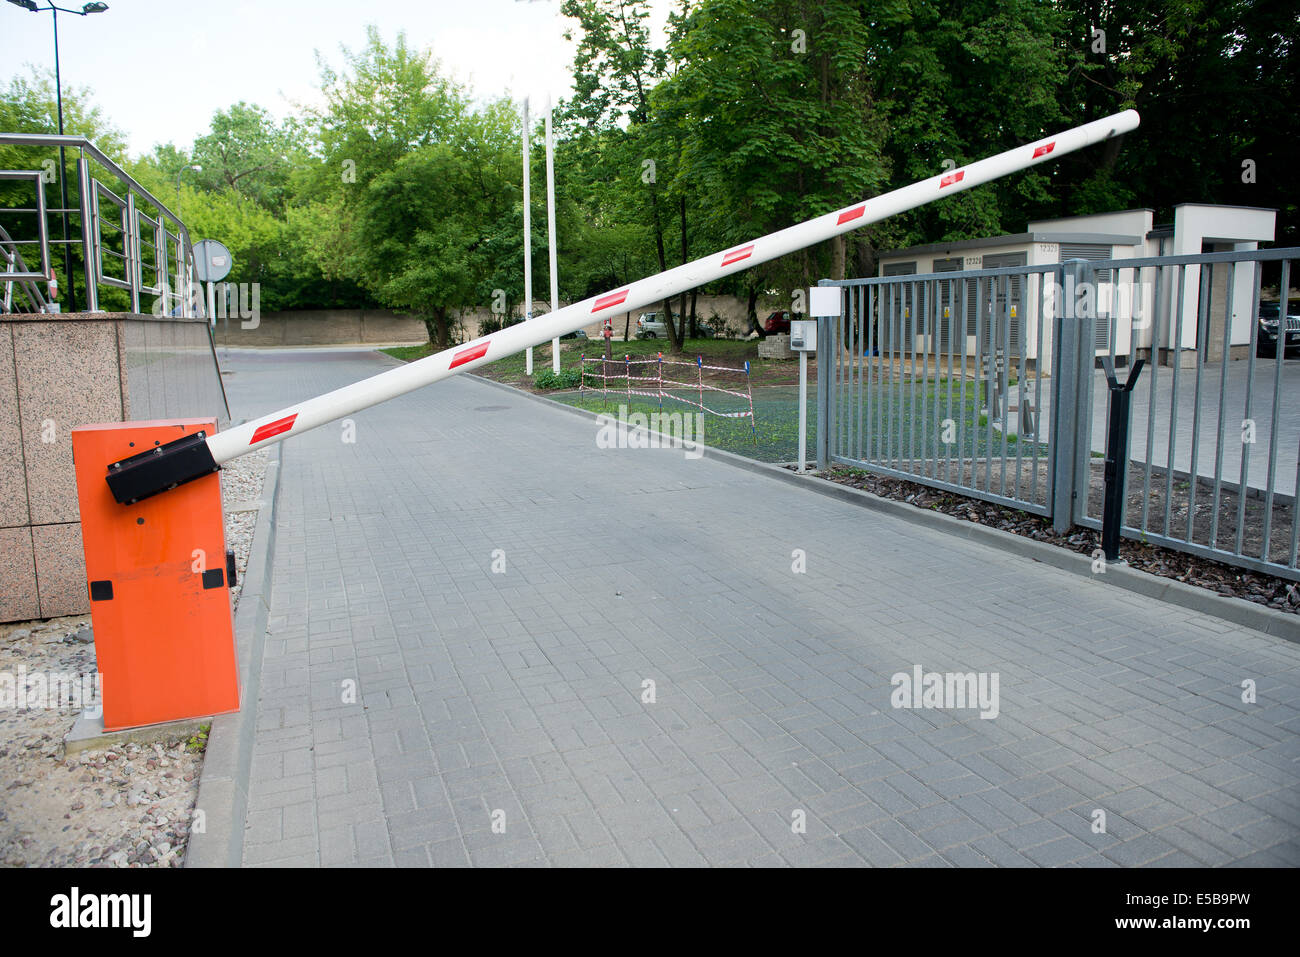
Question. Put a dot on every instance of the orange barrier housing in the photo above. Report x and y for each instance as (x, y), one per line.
(159, 588)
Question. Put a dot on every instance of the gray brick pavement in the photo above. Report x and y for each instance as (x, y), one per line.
(520, 694)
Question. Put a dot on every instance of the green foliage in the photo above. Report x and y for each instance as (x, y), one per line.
(198, 742)
(28, 105)
(246, 152)
(777, 126)
(399, 188)
(564, 379)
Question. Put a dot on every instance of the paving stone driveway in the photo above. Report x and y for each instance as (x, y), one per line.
(517, 697)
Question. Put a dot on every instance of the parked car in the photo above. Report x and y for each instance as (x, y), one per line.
(778, 321)
(650, 325)
(1270, 327)
(579, 334)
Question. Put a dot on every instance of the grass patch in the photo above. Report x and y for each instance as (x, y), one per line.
(733, 353)
(409, 353)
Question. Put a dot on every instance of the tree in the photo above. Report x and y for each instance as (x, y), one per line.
(615, 69)
(956, 83)
(778, 123)
(390, 122)
(434, 186)
(248, 152)
(1216, 84)
(30, 106)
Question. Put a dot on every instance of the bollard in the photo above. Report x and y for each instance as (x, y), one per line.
(1112, 512)
(661, 382)
(749, 387)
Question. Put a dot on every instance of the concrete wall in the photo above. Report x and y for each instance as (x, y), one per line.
(1224, 228)
(58, 372)
(731, 309)
(319, 327)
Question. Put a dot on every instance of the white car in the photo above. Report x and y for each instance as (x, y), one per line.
(650, 325)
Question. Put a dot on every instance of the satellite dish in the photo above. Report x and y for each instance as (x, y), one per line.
(212, 260)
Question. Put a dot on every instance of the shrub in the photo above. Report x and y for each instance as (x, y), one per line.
(565, 379)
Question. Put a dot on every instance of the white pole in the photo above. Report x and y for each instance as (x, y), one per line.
(311, 413)
(803, 409)
(528, 246)
(550, 233)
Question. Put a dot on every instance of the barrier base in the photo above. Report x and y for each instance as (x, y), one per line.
(159, 583)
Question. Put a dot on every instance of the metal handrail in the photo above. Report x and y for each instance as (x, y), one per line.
(190, 306)
(14, 260)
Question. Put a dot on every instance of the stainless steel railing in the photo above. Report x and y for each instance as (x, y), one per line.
(129, 239)
(14, 272)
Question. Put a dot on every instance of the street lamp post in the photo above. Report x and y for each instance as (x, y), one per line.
(194, 166)
(86, 10)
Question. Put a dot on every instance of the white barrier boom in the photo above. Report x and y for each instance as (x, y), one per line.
(311, 413)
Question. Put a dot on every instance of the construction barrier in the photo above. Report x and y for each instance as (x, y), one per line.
(643, 383)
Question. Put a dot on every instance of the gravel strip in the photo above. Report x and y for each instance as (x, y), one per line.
(125, 806)
(241, 490)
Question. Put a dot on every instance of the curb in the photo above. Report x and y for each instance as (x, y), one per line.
(223, 783)
(1238, 611)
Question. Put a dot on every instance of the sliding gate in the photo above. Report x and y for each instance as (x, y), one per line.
(989, 384)
(940, 379)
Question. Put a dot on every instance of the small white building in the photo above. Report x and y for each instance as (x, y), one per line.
(1124, 304)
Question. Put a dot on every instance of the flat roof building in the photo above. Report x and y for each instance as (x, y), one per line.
(1125, 304)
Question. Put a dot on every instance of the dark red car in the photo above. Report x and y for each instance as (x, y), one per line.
(777, 322)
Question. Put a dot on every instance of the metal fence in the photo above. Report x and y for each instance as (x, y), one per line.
(936, 378)
(989, 384)
(117, 235)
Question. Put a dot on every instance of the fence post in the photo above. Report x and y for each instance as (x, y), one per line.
(1116, 456)
(826, 346)
(1072, 356)
(661, 382)
(88, 228)
(749, 387)
(131, 250)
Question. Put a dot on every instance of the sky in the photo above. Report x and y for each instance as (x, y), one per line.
(160, 69)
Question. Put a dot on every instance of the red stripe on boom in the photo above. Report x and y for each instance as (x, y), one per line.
(851, 214)
(469, 355)
(736, 255)
(273, 428)
(613, 299)
(951, 178)
(1044, 150)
